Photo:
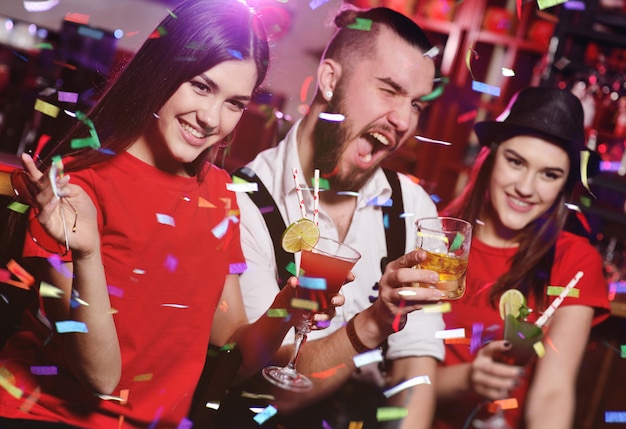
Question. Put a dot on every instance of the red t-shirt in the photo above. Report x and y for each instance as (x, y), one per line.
(168, 243)
(482, 322)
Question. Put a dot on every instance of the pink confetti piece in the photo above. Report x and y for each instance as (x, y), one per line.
(68, 97)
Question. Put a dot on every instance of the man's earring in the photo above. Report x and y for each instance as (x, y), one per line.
(328, 95)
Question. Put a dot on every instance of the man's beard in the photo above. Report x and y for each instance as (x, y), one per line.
(331, 141)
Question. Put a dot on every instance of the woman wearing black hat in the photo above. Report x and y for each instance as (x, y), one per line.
(524, 175)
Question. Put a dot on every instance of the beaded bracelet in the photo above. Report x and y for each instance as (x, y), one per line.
(354, 338)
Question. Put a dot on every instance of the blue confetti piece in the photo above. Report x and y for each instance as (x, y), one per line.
(314, 4)
(90, 32)
(265, 415)
(435, 198)
(165, 219)
(615, 416)
(220, 229)
(316, 283)
(386, 220)
(378, 201)
(236, 54)
(485, 88)
(65, 326)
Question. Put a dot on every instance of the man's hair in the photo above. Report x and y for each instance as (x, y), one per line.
(195, 37)
(357, 31)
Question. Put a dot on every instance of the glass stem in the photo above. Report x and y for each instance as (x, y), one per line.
(301, 333)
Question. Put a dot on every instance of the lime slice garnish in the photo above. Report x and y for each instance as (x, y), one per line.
(300, 235)
(511, 302)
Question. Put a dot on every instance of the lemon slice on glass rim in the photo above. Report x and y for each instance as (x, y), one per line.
(300, 235)
(511, 303)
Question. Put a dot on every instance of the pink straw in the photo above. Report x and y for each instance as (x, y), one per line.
(299, 192)
(316, 195)
(559, 299)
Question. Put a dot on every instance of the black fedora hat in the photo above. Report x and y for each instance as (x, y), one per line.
(551, 113)
(554, 113)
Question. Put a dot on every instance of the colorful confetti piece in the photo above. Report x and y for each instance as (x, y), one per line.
(451, 333)
(265, 415)
(421, 379)
(384, 414)
(65, 326)
(557, 290)
(361, 24)
(47, 108)
(367, 358)
(315, 283)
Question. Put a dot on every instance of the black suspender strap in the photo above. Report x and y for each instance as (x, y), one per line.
(395, 230)
(273, 219)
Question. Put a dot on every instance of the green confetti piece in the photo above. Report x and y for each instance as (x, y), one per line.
(291, 268)
(162, 31)
(143, 377)
(556, 291)
(228, 346)
(44, 46)
(436, 93)
(83, 143)
(18, 207)
(544, 4)
(277, 312)
(212, 352)
(457, 242)
(304, 304)
(623, 351)
(239, 180)
(384, 414)
(324, 184)
(361, 24)
(585, 201)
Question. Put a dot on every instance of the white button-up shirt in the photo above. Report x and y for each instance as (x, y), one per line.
(366, 234)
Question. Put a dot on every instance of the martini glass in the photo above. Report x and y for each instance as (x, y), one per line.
(324, 268)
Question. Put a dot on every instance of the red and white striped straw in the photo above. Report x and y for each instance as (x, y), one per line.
(299, 192)
(316, 195)
(559, 299)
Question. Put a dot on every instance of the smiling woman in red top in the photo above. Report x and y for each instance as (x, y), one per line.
(524, 175)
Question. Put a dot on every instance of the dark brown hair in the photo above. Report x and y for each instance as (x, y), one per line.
(348, 42)
(195, 37)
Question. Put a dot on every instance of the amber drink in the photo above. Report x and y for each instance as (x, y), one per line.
(446, 242)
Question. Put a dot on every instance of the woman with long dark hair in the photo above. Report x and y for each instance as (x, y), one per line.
(138, 238)
(516, 199)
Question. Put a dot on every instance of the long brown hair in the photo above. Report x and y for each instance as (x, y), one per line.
(194, 38)
(532, 263)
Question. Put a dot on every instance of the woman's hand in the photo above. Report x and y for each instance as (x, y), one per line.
(490, 378)
(64, 210)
